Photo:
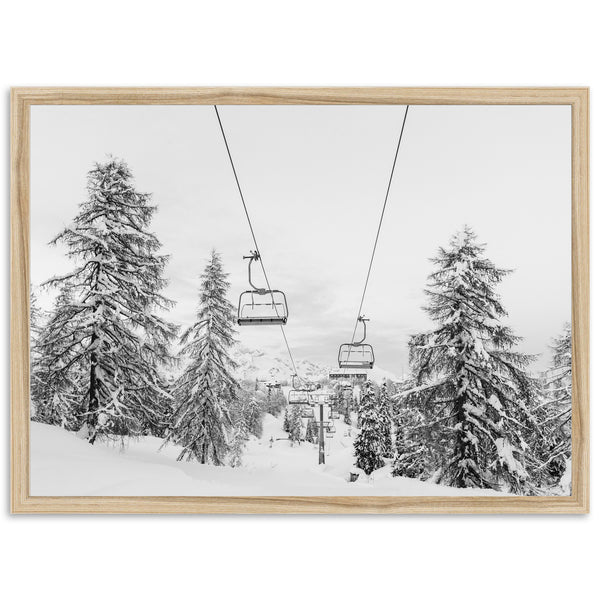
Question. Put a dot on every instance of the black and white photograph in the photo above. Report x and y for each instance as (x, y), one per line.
(296, 300)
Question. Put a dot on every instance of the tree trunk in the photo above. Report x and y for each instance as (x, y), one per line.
(462, 450)
(92, 418)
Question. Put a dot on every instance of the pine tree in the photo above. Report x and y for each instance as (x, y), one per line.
(206, 389)
(472, 386)
(253, 416)
(295, 425)
(110, 302)
(384, 403)
(555, 410)
(369, 444)
(417, 453)
(286, 420)
(412, 455)
(35, 328)
(276, 401)
(347, 394)
(58, 380)
(312, 431)
(237, 443)
(35, 318)
(279, 401)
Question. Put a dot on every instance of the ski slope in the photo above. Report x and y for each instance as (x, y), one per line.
(64, 465)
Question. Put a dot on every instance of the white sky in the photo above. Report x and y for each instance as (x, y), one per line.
(314, 178)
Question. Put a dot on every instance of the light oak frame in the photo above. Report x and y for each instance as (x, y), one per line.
(21, 101)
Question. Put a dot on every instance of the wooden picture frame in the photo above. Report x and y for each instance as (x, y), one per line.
(22, 99)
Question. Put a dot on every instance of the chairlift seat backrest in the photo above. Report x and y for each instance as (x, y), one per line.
(262, 307)
(356, 356)
(299, 397)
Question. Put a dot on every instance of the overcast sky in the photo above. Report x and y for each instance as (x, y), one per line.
(314, 178)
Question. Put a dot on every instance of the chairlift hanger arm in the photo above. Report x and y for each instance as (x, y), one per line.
(254, 255)
(362, 320)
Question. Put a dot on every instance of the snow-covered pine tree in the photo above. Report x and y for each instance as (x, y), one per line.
(35, 327)
(416, 453)
(412, 456)
(384, 402)
(295, 425)
(279, 402)
(554, 412)
(58, 378)
(347, 407)
(472, 386)
(253, 415)
(369, 444)
(35, 318)
(206, 387)
(238, 441)
(120, 341)
(312, 431)
(337, 398)
(286, 420)
(275, 402)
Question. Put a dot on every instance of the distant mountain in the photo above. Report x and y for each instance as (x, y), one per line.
(256, 364)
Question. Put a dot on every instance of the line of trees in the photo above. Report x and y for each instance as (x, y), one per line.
(100, 360)
(471, 414)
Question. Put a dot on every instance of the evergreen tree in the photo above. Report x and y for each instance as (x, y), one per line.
(35, 318)
(312, 431)
(347, 395)
(35, 328)
(58, 379)
(369, 444)
(286, 420)
(238, 441)
(108, 309)
(253, 416)
(279, 401)
(384, 402)
(276, 401)
(206, 388)
(412, 456)
(337, 398)
(295, 424)
(555, 411)
(472, 386)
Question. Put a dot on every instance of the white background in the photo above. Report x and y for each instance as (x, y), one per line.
(297, 43)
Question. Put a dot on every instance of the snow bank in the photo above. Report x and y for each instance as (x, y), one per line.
(63, 465)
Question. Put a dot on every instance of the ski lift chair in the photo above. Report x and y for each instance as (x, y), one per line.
(320, 397)
(308, 413)
(261, 306)
(357, 355)
(299, 397)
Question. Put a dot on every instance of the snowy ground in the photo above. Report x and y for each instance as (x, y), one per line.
(64, 465)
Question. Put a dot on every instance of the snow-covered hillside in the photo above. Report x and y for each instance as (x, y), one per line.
(256, 364)
(64, 465)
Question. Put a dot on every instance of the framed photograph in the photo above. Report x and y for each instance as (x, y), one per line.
(300, 300)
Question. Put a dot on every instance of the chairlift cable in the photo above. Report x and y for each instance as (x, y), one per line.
(387, 193)
(237, 181)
